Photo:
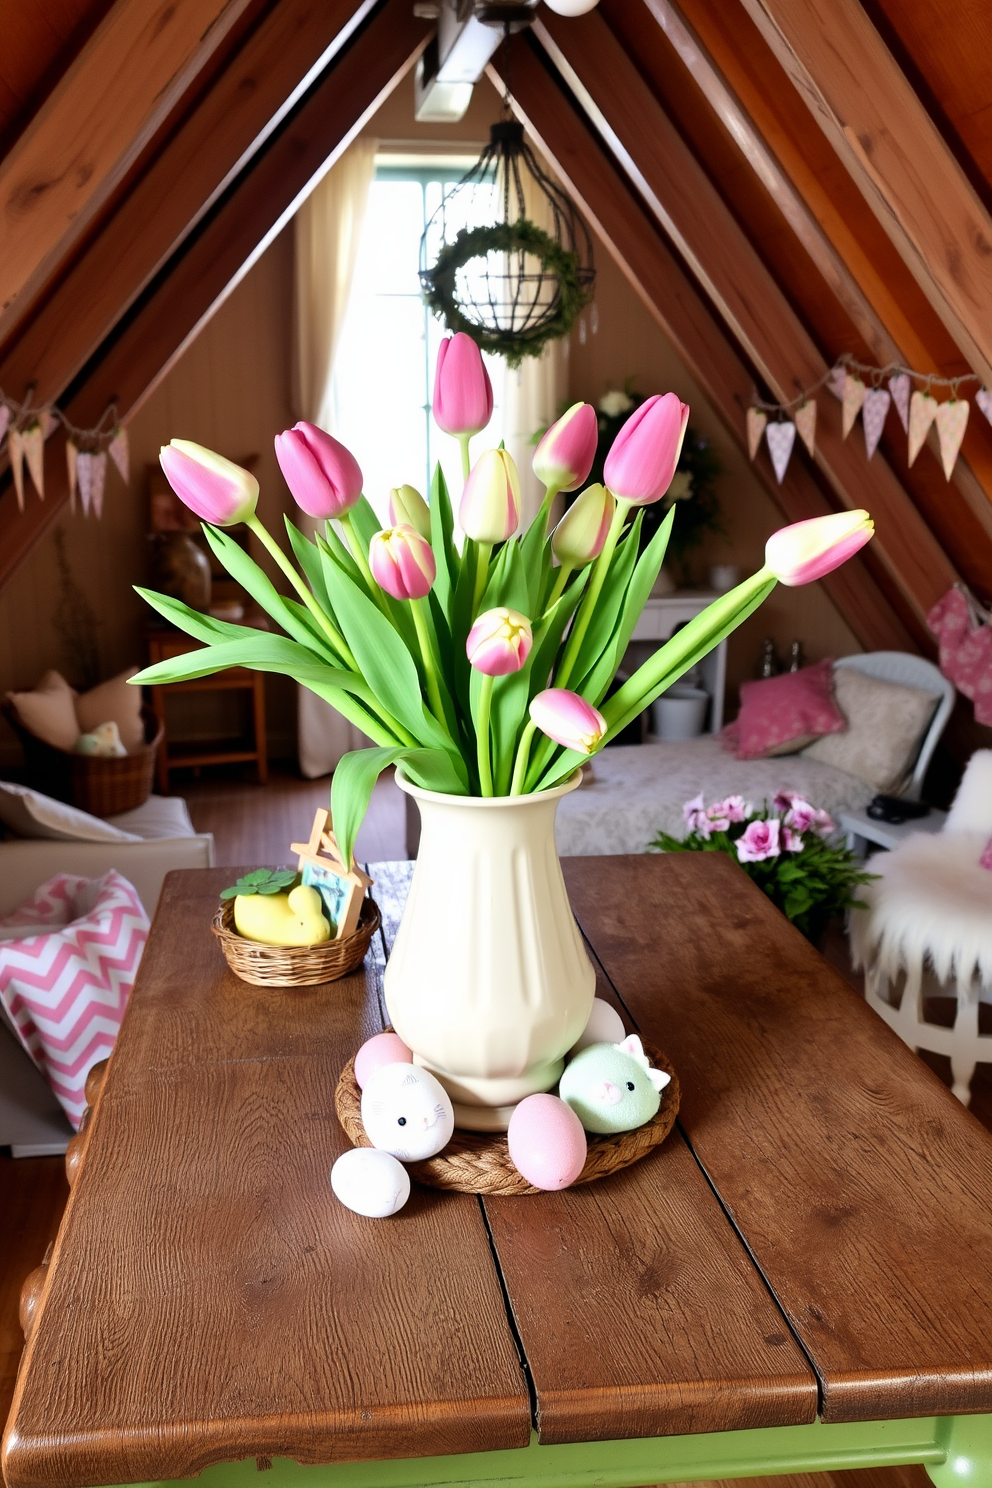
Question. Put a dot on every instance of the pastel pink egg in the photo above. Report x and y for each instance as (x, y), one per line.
(384, 1048)
(547, 1143)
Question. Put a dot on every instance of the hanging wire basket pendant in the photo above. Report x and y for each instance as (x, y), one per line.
(511, 284)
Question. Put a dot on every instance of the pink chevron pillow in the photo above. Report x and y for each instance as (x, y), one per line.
(65, 988)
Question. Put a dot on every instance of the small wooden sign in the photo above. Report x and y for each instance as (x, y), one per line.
(341, 888)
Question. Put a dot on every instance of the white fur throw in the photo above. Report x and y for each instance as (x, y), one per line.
(972, 809)
(933, 901)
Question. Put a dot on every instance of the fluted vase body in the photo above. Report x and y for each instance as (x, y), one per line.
(488, 981)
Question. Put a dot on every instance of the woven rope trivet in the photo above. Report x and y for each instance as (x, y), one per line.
(479, 1162)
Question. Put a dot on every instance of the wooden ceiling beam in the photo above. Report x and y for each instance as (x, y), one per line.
(215, 259)
(649, 150)
(621, 224)
(894, 153)
(93, 127)
(266, 78)
(826, 257)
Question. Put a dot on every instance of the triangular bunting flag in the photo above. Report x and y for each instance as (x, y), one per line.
(806, 424)
(71, 456)
(952, 420)
(922, 412)
(84, 475)
(98, 480)
(4, 420)
(873, 411)
(983, 398)
(756, 421)
(781, 437)
(899, 387)
(34, 454)
(15, 445)
(120, 453)
(836, 380)
(49, 422)
(854, 396)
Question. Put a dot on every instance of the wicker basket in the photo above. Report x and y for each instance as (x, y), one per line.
(479, 1162)
(103, 787)
(294, 966)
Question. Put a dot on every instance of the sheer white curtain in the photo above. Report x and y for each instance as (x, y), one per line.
(327, 231)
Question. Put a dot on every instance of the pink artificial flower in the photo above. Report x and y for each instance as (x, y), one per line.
(324, 476)
(489, 510)
(733, 808)
(759, 842)
(693, 808)
(717, 823)
(499, 642)
(791, 841)
(644, 455)
(785, 798)
(568, 719)
(800, 814)
(215, 489)
(402, 562)
(805, 551)
(463, 394)
(565, 454)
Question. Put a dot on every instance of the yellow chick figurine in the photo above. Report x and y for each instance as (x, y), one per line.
(293, 919)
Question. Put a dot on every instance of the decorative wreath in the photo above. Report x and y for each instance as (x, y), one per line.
(507, 237)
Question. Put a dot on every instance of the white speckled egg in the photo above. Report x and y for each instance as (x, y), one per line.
(604, 1027)
(407, 1111)
(370, 1182)
(384, 1048)
(546, 1141)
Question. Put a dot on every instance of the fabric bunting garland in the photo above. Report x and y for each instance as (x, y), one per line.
(27, 429)
(865, 394)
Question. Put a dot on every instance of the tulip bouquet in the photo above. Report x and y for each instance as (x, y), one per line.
(480, 661)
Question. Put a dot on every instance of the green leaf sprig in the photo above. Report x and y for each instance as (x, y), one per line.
(262, 881)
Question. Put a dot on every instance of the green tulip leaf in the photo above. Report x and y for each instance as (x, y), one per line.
(356, 774)
(307, 556)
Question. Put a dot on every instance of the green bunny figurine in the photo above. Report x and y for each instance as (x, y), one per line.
(612, 1087)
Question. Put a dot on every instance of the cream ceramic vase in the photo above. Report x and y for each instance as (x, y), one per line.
(488, 981)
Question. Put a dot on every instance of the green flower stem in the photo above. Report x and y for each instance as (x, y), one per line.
(523, 754)
(483, 552)
(331, 631)
(464, 440)
(433, 690)
(545, 509)
(563, 576)
(591, 596)
(482, 736)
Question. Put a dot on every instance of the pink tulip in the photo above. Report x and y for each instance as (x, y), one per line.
(402, 562)
(322, 474)
(407, 505)
(490, 504)
(808, 550)
(463, 394)
(564, 456)
(568, 719)
(215, 489)
(499, 642)
(640, 466)
(581, 533)
(759, 841)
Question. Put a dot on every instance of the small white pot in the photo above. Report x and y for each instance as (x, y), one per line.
(488, 981)
(680, 712)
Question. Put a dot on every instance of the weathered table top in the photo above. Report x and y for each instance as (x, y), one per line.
(814, 1238)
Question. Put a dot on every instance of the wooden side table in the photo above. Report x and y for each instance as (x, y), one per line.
(164, 644)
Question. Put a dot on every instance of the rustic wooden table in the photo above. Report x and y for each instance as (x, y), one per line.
(797, 1280)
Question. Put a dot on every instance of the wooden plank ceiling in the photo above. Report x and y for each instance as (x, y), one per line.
(781, 183)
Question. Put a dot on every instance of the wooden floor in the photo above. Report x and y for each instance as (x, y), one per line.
(254, 826)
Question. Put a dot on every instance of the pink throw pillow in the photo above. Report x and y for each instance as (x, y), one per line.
(781, 715)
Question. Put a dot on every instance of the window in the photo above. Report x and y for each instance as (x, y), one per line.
(382, 384)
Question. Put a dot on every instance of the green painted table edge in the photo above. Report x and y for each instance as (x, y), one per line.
(955, 1450)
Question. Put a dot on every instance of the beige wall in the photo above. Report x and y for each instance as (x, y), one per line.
(231, 391)
(629, 343)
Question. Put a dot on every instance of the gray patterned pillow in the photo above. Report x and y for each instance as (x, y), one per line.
(886, 722)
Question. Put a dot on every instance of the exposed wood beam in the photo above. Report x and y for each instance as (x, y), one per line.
(277, 63)
(93, 127)
(896, 155)
(214, 260)
(648, 148)
(783, 191)
(621, 224)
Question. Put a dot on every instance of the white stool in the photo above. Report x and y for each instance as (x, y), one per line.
(927, 930)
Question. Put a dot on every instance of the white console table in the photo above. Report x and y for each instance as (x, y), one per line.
(660, 616)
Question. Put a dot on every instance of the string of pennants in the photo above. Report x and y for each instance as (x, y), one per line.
(918, 411)
(86, 451)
